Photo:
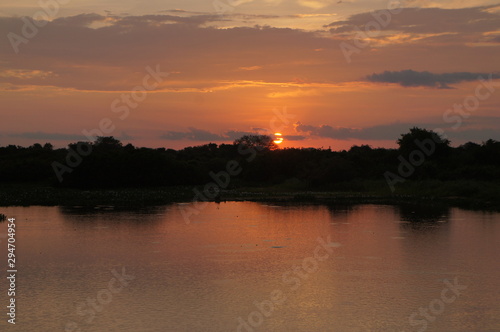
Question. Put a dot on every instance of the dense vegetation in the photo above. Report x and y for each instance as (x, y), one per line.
(106, 163)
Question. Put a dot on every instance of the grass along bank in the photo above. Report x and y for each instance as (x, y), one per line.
(465, 194)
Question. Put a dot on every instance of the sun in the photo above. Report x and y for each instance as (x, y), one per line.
(277, 138)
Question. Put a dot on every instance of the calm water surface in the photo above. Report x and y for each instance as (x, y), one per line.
(245, 266)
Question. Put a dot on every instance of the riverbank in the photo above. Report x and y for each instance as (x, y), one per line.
(465, 194)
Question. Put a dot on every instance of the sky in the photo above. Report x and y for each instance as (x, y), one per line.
(324, 73)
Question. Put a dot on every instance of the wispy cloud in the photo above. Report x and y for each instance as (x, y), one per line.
(25, 74)
(251, 68)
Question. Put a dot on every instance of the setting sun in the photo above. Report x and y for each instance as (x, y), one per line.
(277, 138)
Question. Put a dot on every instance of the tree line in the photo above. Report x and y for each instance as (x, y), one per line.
(110, 164)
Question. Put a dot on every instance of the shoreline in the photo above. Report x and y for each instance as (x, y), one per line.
(40, 195)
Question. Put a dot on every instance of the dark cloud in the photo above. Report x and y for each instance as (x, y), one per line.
(195, 134)
(495, 39)
(425, 20)
(195, 20)
(294, 137)
(125, 136)
(411, 78)
(476, 135)
(326, 131)
(467, 132)
(381, 132)
(82, 20)
(175, 135)
(93, 52)
(233, 134)
(174, 11)
(262, 16)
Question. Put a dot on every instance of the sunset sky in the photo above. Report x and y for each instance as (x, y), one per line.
(233, 65)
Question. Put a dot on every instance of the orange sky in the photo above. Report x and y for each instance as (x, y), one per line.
(231, 70)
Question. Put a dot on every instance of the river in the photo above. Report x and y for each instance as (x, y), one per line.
(247, 266)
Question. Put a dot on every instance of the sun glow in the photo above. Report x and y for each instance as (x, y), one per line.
(277, 138)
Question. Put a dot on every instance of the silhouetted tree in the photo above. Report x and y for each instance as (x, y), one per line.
(423, 139)
(48, 146)
(106, 163)
(258, 142)
(108, 141)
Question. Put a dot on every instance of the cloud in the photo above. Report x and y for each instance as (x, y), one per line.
(92, 52)
(82, 20)
(452, 4)
(479, 128)
(86, 20)
(250, 68)
(389, 131)
(294, 93)
(411, 78)
(25, 74)
(495, 39)
(326, 131)
(125, 136)
(154, 20)
(435, 26)
(175, 135)
(294, 137)
(228, 136)
(194, 134)
(425, 20)
(234, 134)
